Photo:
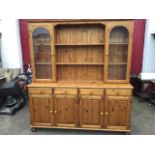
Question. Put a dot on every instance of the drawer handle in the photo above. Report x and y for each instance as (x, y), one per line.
(55, 111)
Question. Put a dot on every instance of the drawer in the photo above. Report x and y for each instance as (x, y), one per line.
(40, 90)
(66, 96)
(91, 91)
(123, 92)
(65, 91)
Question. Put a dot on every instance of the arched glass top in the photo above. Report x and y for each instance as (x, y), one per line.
(41, 36)
(119, 34)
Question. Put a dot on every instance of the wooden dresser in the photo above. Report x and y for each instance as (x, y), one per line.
(81, 72)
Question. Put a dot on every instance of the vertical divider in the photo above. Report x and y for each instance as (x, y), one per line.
(78, 108)
(53, 54)
(106, 53)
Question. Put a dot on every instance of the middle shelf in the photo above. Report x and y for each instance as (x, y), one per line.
(59, 63)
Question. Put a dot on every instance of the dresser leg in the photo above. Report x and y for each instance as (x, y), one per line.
(33, 129)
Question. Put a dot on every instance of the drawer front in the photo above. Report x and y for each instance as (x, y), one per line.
(40, 90)
(91, 91)
(65, 91)
(123, 92)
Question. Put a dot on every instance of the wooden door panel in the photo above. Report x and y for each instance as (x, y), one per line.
(66, 112)
(91, 111)
(118, 112)
(41, 107)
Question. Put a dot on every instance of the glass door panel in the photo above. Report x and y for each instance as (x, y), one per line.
(118, 53)
(42, 53)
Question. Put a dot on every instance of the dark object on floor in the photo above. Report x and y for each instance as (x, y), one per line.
(136, 83)
(13, 98)
(12, 105)
(142, 88)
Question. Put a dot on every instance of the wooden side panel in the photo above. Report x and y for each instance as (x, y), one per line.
(91, 113)
(41, 108)
(65, 112)
(118, 112)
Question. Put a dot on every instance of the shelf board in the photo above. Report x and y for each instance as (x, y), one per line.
(117, 43)
(118, 63)
(42, 44)
(42, 63)
(80, 63)
(81, 44)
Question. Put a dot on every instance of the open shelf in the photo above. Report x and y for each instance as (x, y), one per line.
(80, 35)
(80, 73)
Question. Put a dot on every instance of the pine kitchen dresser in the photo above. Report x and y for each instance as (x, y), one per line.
(81, 72)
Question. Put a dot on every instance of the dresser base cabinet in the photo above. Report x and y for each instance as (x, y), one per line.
(81, 108)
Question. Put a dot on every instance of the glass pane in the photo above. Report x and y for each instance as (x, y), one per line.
(42, 53)
(118, 53)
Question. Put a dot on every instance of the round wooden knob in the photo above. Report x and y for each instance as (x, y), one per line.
(51, 112)
(106, 113)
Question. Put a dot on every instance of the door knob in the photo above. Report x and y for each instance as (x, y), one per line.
(51, 112)
(106, 113)
(101, 113)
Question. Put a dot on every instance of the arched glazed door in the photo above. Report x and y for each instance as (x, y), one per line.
(41, 54)
(119, 55)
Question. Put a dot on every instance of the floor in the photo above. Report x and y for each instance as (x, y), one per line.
(142, 123)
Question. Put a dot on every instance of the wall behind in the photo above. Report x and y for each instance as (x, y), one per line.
(149, 47)
(11, 48)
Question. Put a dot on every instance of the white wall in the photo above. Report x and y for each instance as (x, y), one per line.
(149, 47)
(11, 48)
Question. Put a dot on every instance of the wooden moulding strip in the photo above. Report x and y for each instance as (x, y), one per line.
(91, 129)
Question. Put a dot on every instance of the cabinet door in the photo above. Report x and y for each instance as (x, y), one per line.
(65, 111)
(118, 57)
(41, 108)
(42, 51)
(91, 112)
(118, 112)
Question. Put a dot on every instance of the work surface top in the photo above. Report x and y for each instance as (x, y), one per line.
(81, 85)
